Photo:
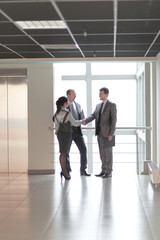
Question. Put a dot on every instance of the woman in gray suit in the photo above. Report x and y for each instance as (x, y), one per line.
(105, 116)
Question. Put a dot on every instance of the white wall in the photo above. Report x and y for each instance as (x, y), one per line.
(40, 110)
(158, 108)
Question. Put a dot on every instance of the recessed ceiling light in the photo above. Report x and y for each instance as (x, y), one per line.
(41, 24)
(59, 46)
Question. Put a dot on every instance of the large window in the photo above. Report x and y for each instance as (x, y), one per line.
(123, 93)
(86, 79)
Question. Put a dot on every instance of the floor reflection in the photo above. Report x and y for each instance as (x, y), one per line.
(42, 207)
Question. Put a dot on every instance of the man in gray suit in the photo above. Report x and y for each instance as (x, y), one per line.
(105, 116)
(77, 135)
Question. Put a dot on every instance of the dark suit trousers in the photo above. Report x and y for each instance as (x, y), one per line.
(106, 155)
(80, 143)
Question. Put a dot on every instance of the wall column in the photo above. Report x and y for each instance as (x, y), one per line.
(153, 114)
(147, 108)
(158, 107)
(40, 110)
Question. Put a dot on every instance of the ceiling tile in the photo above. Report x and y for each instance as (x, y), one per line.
(45, 31)
(2, 18)
(99, 54)
(156, 47)
(36, 55)
(138, 26)
(68, 55)
(8, 55)
(94, 39)
(19, 11)
(139, 9)
(158, 39)
(3, 49)
(25, 48)
(143, 47)
(152, 54)
(96, 47)
(91, 27)
(54, 39)
(135, 38)
(15, 40)
(9, 29)
(53, 51)
(131, 54)
(87, 9)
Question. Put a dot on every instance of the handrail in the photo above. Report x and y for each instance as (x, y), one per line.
(118, 128)
(138, 128)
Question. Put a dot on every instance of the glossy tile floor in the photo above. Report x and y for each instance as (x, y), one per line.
(125, 207)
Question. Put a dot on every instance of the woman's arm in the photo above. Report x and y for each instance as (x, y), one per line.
(73, 122)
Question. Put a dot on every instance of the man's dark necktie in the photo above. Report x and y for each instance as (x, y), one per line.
(99, 120)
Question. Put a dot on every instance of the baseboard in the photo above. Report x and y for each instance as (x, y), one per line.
(41, 171)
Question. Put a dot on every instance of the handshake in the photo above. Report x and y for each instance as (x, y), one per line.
(84, 122)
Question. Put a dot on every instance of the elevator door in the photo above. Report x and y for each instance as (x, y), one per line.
(13, 124)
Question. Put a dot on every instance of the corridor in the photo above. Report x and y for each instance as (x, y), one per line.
(42, 207)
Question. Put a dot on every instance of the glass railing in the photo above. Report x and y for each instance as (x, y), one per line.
(131, 148)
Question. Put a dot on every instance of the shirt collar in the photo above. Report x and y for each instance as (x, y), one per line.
(70, 103)
(105, 102)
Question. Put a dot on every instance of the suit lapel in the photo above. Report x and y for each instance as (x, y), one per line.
(103, 117)
(107, 103)
(99, 109)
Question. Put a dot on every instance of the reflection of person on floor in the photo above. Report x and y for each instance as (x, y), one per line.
(105, 116)
(77, 136)
(64, 136)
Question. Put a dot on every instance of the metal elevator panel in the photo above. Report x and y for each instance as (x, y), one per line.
(17, 124)
(13, 123)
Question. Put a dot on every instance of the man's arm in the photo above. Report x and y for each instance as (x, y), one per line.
(90, 118)
(113, 119)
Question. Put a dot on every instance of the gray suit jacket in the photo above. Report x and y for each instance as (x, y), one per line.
(79, 111)
(78, 130)
(108, 118)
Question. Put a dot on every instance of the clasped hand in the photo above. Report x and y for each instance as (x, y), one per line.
(84, 122)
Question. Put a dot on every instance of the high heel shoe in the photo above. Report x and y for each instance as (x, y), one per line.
(66, 177)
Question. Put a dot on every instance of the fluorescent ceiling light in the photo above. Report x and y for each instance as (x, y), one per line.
(60, 46)
(41, 24)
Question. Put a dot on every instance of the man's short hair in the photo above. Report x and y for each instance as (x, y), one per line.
(69, 91)
(105, 90)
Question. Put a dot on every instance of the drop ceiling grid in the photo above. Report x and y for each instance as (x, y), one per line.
(137, 25)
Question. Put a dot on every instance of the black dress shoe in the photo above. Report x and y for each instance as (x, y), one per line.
(84, 173)
(107, 175)
(100, 175)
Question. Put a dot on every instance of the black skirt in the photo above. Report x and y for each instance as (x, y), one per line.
(64, 140)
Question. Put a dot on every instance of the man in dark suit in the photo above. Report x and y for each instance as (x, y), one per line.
(77, 135)
(105, 116)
